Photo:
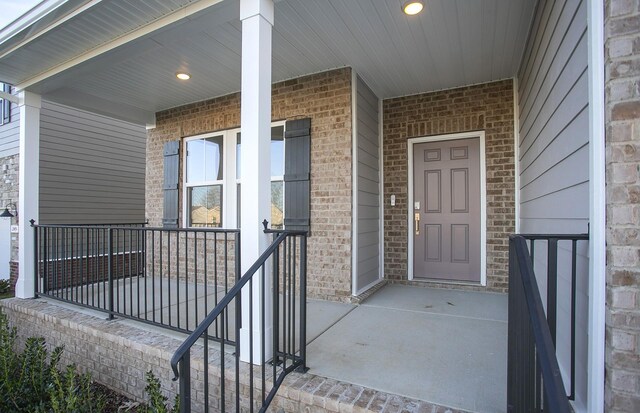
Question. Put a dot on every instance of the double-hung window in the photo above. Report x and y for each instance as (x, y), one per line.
(277, 175)
(204, 181)
(212, 178)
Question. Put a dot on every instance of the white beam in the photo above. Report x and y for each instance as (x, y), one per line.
(8, 96)
(28, 202)
(255, 124)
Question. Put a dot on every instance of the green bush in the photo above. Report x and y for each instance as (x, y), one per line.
(5, 286)
(31, 382)
(157, 400)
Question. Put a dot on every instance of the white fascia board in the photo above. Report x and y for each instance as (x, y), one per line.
(121, 40)
(37, 14)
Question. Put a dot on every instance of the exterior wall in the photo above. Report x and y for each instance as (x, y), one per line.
(367, 171)
(622, 114)
(9, 193)
(553, 149)
(487, 107)
(10, 134)
(91, 167)
(326, 99)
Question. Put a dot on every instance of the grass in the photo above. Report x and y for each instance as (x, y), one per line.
(6, 295)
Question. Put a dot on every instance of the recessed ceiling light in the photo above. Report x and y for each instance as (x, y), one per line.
(412, 7)
(183, 76)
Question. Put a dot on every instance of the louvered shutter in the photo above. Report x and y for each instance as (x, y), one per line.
(170, 186)
(6, 105)
(297, 167)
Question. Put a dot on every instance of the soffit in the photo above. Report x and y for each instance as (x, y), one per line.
(451, 43)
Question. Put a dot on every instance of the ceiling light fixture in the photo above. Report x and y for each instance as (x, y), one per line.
(183, 76)
(412, 7)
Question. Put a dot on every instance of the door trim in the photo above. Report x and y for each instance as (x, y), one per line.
(483, 204)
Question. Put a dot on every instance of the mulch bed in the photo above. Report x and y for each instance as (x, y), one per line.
(116, 402)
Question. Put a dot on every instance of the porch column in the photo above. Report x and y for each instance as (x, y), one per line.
(28, 198)
(255, 124)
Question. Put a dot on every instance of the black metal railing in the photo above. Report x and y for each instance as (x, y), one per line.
(534, 380)
(552, 264)
(166, 277)
(251, 384)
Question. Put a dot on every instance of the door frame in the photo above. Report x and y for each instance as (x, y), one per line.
(483, 205)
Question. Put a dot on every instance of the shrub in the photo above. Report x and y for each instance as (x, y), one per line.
(5, 286)
(157, 400)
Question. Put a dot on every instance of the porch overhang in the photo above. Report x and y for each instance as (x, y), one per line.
(100, 56)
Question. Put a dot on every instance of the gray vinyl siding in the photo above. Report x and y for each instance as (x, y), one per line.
(92, 167)
(10, 134)
(368, 186)
(553, 98)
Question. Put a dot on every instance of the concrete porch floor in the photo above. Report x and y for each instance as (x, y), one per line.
(441, 346)
(445, 347)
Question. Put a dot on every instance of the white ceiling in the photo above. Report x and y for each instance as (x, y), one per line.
(451, 43)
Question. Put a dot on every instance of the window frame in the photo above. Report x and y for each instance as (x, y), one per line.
(230, 180)
(186, 216)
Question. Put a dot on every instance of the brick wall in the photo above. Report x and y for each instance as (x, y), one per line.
(622, 55)
(9, 193)
(326, 99)
(487, 107)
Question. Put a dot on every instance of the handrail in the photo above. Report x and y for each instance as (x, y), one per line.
(523, 285)
(215, 313)
(281, 351)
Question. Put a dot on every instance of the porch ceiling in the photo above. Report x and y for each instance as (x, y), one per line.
(451, 43)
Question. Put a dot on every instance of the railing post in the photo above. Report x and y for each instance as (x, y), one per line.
(303, 303)
(185, 383)
(552, 285)
(36, 254)
(110, 271)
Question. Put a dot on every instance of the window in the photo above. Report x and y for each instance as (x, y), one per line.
(277, 176)
(204, 185)
(212, 171)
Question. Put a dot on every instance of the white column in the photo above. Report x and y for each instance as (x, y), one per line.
(255, 123)
(28, 199)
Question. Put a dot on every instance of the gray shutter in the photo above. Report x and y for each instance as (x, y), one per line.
(6, 105)
(170, 186)
(297, 167)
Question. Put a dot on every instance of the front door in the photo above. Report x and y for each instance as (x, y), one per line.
(446, 210)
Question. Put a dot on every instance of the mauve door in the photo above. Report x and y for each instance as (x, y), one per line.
(446, 214)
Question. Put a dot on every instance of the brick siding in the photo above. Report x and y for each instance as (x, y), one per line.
(622, 68)
(487, 107)
(326, 99)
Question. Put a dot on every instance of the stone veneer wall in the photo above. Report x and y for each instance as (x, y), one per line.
(9, 193)
(487, 107)
(622, 68)
(326, 99)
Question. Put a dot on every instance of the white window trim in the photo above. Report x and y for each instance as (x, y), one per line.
(229, 180)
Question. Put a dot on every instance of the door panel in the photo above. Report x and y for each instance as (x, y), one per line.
(447, 210)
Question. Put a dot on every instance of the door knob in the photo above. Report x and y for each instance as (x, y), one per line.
(416, 220)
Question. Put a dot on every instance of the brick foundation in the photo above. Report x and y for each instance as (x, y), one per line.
(622, 68)
(487, 107)
(118, 354)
